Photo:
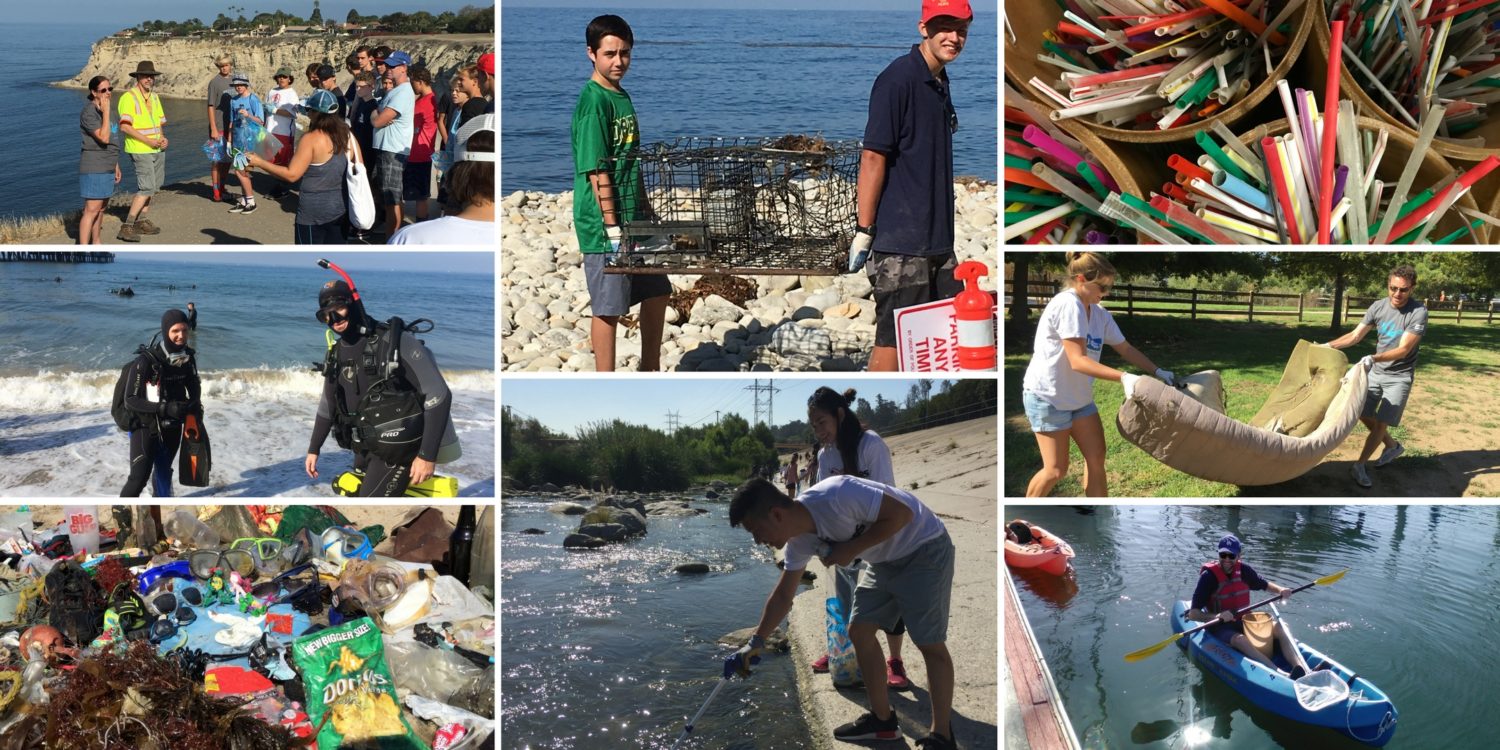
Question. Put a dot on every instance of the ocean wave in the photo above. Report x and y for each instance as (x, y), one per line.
(49, 392)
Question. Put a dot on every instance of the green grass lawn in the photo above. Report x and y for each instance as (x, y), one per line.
(1250, 357)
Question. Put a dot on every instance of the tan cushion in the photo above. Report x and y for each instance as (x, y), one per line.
(1308, 385)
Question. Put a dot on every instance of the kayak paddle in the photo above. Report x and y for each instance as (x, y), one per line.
(1150, 651)
(687, 730)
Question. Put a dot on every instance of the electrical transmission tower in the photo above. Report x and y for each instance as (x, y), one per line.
(673, 422)
(770, 390)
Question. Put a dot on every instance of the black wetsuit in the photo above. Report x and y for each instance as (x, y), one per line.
(386, 478)
(155, 444)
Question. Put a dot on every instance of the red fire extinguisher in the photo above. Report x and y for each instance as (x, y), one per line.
(974, 310)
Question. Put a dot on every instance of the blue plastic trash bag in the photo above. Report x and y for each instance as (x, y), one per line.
(843, 666)
(213, 148)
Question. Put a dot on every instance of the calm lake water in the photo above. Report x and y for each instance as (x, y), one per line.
(610, 648)
(1415, 615)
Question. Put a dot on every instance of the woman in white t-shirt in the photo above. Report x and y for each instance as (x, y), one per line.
(1058, 391)
(846, 447)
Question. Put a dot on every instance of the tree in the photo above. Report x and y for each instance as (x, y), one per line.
(316, 19)
(1342, 269)
(353, 17)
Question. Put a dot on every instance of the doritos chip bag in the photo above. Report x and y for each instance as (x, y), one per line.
(350, 694)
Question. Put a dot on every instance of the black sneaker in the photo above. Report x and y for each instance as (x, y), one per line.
(867, 727)
(238, 208)
(937, 742)
(249, 208)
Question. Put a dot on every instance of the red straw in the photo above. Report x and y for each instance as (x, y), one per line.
(1330, 129)
(1039, 237)
(1278, 180)
(1466, 181)
(1255, 25)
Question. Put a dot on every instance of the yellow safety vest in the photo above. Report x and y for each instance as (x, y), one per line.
(146, 116)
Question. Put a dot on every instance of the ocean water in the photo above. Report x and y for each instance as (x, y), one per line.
(256, 340)
(726, 73)
(39, 137)
(610, 648)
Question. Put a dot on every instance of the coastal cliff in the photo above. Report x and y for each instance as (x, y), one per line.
(187, 64)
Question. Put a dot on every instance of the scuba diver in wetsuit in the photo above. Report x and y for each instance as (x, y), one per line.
(161, 388)
(383, 398)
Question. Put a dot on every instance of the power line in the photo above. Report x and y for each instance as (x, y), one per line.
(770, 390)
(673, 422)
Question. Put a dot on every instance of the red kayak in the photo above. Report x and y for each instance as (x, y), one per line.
(1035, 547)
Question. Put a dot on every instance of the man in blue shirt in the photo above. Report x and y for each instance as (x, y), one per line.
(393, 135)
(906, 177)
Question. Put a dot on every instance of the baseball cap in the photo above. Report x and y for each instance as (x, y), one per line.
(283, 72)
(1231, 544)
(322, 100)
(956, 8)
(325, 71)
(461, 150)
(239, 79)
(397, 58)
(487, 63)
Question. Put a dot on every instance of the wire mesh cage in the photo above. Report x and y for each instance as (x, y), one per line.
(754, 205)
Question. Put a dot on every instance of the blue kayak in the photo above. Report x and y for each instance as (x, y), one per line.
(1367, 715)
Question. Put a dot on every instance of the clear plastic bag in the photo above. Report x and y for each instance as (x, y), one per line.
(843, 666)
(434, 673)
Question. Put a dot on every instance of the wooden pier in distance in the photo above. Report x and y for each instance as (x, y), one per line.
(55, 256)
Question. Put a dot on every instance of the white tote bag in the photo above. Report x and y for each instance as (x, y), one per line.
(357, 189)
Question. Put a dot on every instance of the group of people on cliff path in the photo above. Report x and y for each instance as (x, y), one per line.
(390, 119)
(905, 185)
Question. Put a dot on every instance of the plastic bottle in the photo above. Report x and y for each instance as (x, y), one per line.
(974, 310)
(82, 523)
(461, 545)
(188, 532)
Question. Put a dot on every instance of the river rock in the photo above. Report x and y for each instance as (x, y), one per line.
(633, 520)
(711, 495)
(714, 309)
(619, 501)
(583, 541)
(549, 487)
(609, 532)
(692, 568)
(775, 642)
(532, 531)
(568, 509)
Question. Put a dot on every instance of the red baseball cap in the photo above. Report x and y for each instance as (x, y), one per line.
(487, 63)
(957, 8)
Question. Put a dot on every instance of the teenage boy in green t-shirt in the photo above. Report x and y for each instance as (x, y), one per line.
(606, 193)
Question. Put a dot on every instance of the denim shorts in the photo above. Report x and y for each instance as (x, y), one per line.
(1045, 417)
(95, 186)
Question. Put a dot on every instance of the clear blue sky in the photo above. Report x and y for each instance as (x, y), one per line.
(564, 404)
(979, 6)
(122, 15)
(383, 260)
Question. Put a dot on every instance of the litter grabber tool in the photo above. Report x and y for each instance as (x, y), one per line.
(1150, 651)
(688, 729)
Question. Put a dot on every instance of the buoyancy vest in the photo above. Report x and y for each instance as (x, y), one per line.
(388, 417)
(1232, 592)
(146, 116)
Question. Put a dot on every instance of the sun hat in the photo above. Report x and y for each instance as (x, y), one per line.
(145, 68)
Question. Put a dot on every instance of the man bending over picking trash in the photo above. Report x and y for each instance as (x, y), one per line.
(910, 574)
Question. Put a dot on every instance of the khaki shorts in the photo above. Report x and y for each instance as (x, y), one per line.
(916, 588)
(150, 172)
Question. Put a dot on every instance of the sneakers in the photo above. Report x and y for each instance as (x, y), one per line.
(128, 233)
(1390, 454)
(1361, 476)
(144, 226)
(249, 208)
(937, 742)
(895, 675)
(821, 665)
(867, 727)
(238, 207)
(218, 194)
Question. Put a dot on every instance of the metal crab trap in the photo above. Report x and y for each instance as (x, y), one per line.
(740, 205)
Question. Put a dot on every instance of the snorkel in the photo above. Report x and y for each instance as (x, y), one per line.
(359, 324)
(331, 266)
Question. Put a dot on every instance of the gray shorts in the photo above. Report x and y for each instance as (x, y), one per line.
(390, 167)
(915, 588)
(613, 294)
(1385, 398)
(150, 172)
(905, 280)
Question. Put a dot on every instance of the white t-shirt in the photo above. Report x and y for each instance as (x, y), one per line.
(278, 98)
(449, 230)
(1049, 375)
(874, 460)
(842, 508)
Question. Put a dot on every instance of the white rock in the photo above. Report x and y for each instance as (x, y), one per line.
(713, 309)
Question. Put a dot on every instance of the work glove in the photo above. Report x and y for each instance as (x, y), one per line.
(615, 235)
(178, 409)
(740, 662)
(859, 248)
(1226, 616)
(1166, 376)
(1128, 382)
(1367, 362)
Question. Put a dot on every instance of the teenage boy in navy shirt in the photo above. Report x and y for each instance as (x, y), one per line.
(906, 177)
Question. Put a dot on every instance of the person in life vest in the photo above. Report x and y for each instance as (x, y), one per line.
(143, 121)
(1224, 587)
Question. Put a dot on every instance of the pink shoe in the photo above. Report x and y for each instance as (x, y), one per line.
(895, 675)
(821, 665)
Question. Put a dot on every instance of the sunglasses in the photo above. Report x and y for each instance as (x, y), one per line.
(103, 91)
(1400, 289)
(1225, 556)
(272, 589)
(204, 562)
(170, 622)
(342, 543)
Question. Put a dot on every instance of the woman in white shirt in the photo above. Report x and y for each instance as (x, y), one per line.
(1058, 391)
